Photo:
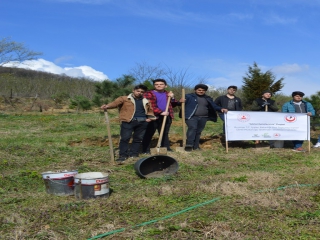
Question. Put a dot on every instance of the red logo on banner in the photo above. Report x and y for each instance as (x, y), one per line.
(276, 135)
(243, 117)
(290, 118)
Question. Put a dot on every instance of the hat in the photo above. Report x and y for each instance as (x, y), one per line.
(297, 93)
(266, 91)
(203, 86)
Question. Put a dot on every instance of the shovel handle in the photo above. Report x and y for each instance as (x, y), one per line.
(109, 136)
(183, 110)
(163, 124)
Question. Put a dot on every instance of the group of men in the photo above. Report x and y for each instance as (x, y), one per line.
(143, 111)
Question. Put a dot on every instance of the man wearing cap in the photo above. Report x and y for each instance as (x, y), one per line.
(199, 109)
(265, 104)
(297, 105)
(158, 98)
(229, 101)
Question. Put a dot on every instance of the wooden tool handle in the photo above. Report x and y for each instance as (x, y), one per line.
(163, 123)
(183, 110)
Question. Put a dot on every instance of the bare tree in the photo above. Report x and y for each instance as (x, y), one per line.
(11, 51)
(143, 71)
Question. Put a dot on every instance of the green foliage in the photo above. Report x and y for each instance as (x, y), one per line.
(241, 179)
(107, 91)
(148, 83)
(59, 98)
(315, 101)
(255, 82)
(80, 102)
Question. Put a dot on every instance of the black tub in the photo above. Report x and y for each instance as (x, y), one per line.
(156, 166)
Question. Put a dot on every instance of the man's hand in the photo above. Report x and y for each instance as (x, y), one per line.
(170, 94)
(165, 114)
(224, 110)
(104, 107)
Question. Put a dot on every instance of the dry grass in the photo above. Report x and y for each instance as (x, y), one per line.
(260, 193)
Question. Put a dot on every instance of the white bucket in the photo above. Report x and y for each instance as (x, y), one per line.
(278, 144)
(91, 185)
(59, 183)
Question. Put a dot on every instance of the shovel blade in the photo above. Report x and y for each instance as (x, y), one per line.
(158, 151)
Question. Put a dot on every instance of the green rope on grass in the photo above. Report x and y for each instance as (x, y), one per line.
(156, 220)
(193, 207)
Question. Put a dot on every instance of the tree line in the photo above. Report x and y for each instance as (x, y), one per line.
(83, 93)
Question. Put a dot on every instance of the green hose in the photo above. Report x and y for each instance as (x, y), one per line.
(193, 207)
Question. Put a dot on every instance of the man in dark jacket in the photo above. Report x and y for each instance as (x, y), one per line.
(230, 102)
(199, 108)
(265, 104)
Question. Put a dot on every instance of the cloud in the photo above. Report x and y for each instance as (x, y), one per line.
(275, 19)
(290, 68)
(46, 66)
(62, 59)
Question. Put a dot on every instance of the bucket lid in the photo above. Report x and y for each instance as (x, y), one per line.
(91, 178)
(59, 174)
(91, 175)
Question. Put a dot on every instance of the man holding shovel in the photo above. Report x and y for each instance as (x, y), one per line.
(199, 109)
(158, 98)
(135, 113)
(265, 104)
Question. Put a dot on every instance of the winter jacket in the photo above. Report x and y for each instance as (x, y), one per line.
(289, 107)
(127, 107)
(222, 101)
(257, 105)
(153, 101)
(191, 105)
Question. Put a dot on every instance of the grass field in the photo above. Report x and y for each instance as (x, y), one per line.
(248, 193)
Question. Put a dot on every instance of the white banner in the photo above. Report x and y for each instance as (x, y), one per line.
(241, 125)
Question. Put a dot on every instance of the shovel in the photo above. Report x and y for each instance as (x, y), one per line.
(109, 136)
(183, 107)
(266, 110)
(161, 150)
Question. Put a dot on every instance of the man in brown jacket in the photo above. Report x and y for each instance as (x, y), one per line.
(134, 113)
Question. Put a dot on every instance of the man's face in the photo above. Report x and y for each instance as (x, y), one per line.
(231, 91)
(137, 93)
(266, 95)
(200, 91)
(159, 86)
(297, 98)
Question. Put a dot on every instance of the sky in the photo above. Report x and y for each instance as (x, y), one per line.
(213, 39)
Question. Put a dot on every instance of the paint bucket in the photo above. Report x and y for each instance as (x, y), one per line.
(91, 185)
(278, 144)
(156, 166)
(59, 183)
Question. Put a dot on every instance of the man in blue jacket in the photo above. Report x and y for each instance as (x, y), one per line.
(297, 105)
(199, 108)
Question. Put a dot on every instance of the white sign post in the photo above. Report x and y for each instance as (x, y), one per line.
(242, 125)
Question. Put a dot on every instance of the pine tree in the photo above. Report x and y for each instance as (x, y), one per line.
(255, 82)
